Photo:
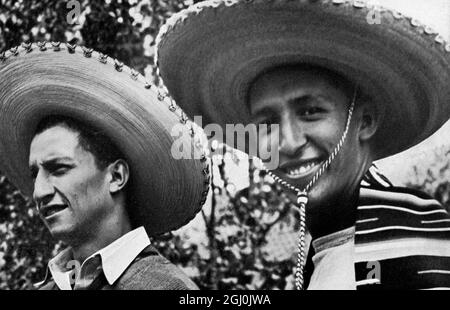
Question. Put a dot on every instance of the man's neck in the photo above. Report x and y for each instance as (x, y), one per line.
(344, 216)
(110, 230)
(338, 212)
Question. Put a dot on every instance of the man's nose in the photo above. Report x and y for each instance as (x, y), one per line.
(292, 137)
(43, 189)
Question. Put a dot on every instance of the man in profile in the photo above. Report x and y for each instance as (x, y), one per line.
(97, 144)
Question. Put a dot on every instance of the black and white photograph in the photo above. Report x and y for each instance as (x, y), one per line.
(243, 146)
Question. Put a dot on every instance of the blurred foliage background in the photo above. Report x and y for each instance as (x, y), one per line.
(243, 239)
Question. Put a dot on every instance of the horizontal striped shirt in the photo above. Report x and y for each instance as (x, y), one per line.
(402, 237)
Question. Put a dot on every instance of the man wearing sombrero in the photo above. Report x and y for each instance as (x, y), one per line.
(344, 92)
(90, 141)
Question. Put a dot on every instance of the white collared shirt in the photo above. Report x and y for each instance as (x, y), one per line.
(112, 260)
(334, 261)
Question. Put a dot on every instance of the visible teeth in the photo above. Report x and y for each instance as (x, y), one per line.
(302, 169)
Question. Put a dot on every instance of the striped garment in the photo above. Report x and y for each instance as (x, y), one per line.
(402, 238)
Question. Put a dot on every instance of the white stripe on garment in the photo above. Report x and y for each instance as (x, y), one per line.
(435, 221)
(367, 220)
(397, 197)
(406, 228)
(364, 183)
(377, 178)
(368, 281)
(381, 250)
(434, 271)
(374, 207)
(435, 289)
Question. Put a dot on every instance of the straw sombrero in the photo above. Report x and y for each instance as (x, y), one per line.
(209, 54)
(39, 80)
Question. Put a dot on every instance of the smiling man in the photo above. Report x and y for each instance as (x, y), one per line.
(344, 93)
(97, 142)
(310, 105)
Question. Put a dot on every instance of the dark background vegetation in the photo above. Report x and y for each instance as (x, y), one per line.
(239, 244)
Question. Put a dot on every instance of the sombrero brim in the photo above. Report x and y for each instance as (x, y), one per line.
(209, 54)
(38, 81)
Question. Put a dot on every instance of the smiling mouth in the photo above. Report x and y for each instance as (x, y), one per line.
(297, 171)
(51, 210)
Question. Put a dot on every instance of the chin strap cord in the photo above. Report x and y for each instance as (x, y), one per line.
(302, 197)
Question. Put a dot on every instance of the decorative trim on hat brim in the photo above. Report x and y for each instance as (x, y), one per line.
(16, 53)
(179, 23)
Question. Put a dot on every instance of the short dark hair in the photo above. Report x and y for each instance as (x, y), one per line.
(90, 139)
(336, 79)
(333, 77)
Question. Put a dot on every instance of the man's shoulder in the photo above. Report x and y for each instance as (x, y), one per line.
(152, 271)
(401, 209)
(380, 199)
(387, 212)
(406, 233)
(411, 201)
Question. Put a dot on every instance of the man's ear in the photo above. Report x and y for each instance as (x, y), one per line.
(369, 120)
(120, 174)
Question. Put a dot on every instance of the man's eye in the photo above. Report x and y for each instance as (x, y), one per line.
(267, 124)
(60, 170)
(266, 121)
(310, 111)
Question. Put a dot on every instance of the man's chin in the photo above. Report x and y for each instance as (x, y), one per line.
(60, 230)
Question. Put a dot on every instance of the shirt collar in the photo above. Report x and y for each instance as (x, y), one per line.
(117, 256)
(335, 239)
(58, 267)
(115, 259)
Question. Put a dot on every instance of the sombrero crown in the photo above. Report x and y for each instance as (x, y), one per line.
(39, 80)
(209, 54)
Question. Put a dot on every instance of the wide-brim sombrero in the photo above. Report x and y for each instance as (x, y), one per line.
(209, 54)
(39, 80)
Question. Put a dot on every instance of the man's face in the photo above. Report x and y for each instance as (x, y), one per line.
(71, 192)
(311, 112)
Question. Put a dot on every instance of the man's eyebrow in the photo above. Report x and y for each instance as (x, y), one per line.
(52, 161)
(265, 111)
(305, 99)
(56, 160)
